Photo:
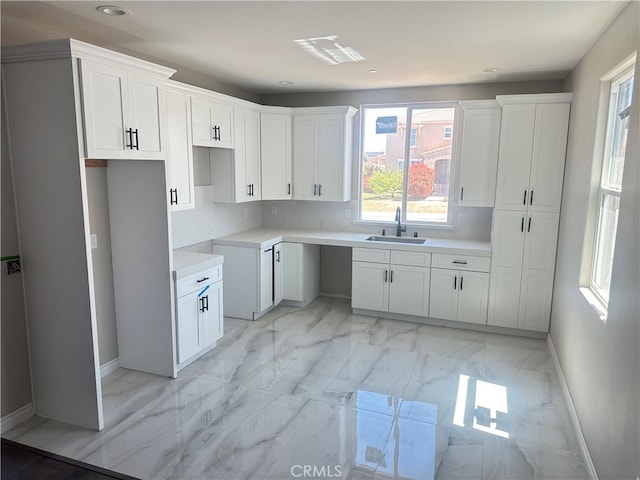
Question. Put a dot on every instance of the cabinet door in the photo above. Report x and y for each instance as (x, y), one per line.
(473, 297)
(479, 161)
(222, 118)
(514, 158)
(201, 126)
(252, 153)
(188, 326)
(211, 316)
(304, 148)
(444, 294)
(409, 290)
(277, 273)
(370, 286)
(275, 153)
(105, 98)
(292, 288)
(180, 151)
(330, 158)
(266, 278)
(507, 240)
(146, 104)
(548, 157)
(246, 156)
(538, 271)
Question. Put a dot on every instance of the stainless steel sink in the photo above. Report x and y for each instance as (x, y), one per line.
(384, 238)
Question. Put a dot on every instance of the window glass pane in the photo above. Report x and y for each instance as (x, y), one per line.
(605, 243)
(382, 163)
(619, 125)
(430, 165)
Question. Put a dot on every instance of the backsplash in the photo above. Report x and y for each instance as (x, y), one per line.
(209, 220)
(331, 216)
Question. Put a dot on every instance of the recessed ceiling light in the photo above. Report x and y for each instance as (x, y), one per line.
(113, 11)
(490, 70)
(285, 82)
(373, 70)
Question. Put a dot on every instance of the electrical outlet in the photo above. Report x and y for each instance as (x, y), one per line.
(274, 210)
(94, 241)
(461, 219)
(347, 213)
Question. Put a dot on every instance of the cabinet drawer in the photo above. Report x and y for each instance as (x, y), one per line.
(199, 280)
(416, 259)
(372, 255)
(461, 262)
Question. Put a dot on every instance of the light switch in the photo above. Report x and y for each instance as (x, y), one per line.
(94, 241)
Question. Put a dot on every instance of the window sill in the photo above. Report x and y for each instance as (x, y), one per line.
(599, 307)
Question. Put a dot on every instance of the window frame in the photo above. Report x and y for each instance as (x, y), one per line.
(454, 166)
(605, 189)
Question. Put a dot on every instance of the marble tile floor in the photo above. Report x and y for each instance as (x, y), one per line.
(322, 393)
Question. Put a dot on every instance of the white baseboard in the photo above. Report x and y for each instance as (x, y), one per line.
(109, 367)
(573, 414)
(17, 416)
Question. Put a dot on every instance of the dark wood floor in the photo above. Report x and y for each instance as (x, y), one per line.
(20, 462)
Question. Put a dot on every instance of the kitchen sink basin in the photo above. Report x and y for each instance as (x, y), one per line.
(389, 239)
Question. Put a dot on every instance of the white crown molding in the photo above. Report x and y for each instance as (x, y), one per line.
(479, 104)
(71, 48)
(342, 110)
(534, 98)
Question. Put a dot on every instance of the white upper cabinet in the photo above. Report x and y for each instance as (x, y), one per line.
(247, 155)
(479, 159)
(212, 123)
(322, 145)
(275, 152)
(123, 113)
(236, 173)
(180, 150)
(533, 139)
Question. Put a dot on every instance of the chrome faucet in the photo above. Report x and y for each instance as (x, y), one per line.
(399, 227)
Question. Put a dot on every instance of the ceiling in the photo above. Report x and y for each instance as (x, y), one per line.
(251, 44)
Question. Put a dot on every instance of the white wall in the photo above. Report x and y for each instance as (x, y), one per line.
(210, 220)
(600, 360)
(15, 387)
(102, 267)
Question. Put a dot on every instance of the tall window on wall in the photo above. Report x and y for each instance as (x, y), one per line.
(406, 162)
(611, 183)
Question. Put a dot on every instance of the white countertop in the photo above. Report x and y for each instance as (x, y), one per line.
(189, 263)
(266, 237)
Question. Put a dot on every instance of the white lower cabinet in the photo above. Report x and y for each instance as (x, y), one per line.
(391, 281)
(300, 272)
(459, 295)
(522, 269)
(199, 313)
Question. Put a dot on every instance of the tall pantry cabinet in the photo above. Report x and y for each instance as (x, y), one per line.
(55, 96)
(533, 138)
